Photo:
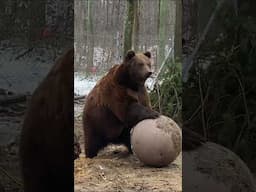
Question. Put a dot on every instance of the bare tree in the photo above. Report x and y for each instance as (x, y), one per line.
(129, 24)
(178, 30)
(90, 37)
(162, 30)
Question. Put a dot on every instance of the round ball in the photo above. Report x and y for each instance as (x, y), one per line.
(156, 142)
(213, 167)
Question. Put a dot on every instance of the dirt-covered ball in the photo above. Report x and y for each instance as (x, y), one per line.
(156, 142)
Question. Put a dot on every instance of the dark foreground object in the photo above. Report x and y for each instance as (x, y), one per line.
(46, 148)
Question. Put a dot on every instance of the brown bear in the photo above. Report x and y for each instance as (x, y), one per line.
(117, 102)
(46, 143)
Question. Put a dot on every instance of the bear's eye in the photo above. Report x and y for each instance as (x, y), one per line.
(141, 64)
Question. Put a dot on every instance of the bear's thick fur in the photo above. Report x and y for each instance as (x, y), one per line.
(117, 103)
(46, 143)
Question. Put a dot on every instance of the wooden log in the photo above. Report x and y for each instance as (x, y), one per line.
(5, 100)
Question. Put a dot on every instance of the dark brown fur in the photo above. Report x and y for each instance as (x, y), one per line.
(117, 103)
(46, 147)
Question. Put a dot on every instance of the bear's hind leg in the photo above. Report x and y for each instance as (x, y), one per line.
(125, 139)
(101, 127)
(93, 144)
(127, 143)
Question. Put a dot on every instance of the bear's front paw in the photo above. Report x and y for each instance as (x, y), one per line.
(154, 114)
(151, 115)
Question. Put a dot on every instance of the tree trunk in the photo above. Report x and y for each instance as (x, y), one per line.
(129, 23)
(162, 31)
(37, 15)
(178, 30)
(80, 35)
(90, 37)
(135, 39)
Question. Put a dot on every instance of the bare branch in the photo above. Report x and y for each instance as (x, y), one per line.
(189, 60)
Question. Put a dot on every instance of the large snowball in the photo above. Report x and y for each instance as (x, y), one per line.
(156, 142)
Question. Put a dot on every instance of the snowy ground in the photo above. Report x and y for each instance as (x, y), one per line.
(22, 74)
(82, 85)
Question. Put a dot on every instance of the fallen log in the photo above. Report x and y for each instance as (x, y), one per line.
(80, 97)
(5, 100)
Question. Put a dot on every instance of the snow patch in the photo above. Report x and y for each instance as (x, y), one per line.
(82, 85)
(22, 75)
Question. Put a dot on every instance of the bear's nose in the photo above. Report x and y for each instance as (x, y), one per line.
(149, 73)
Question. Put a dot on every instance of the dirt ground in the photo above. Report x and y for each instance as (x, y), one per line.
(115, 170)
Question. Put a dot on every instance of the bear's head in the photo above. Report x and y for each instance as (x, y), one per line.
(136, 68)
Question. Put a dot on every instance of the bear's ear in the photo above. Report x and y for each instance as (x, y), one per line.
(130, 54)
(148, 54)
